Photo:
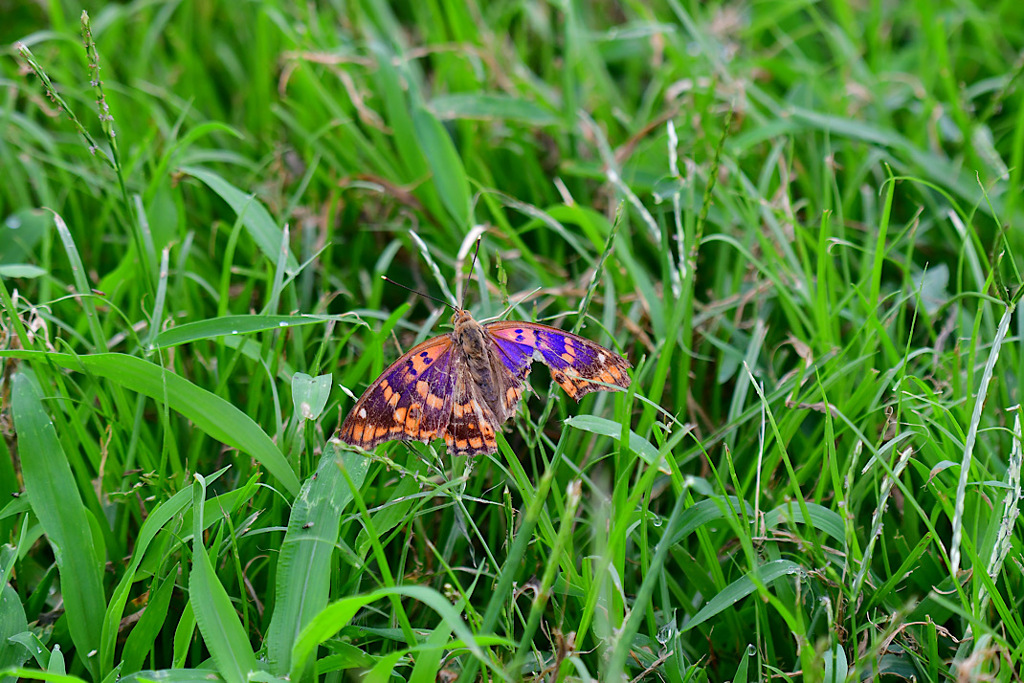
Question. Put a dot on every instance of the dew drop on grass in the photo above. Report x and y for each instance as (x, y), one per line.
(751, 650)
(282, 324)
(234, 331)
(656, 521)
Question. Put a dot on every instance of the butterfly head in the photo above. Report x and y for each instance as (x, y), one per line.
(461, 319)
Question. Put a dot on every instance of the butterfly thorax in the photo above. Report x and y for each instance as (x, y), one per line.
(471, 339)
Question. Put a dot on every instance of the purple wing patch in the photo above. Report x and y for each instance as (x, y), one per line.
(515, 356)
(577, 364)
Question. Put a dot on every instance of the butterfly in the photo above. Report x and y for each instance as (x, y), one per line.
(463, 385)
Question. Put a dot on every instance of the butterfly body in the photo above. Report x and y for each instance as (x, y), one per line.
(488, 372)
(463, 385)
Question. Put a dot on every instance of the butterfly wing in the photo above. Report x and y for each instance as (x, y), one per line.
(471, 428)
(410, 401)
(576, 364)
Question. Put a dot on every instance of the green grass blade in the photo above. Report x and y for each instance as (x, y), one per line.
(21, 270)
(12, 622)
(605, 427)
(56, 502)
(156, 520)
(821, 518)
(180, 676)
(338, 614)
(491, 107)
(310, 394)
(230, 325)
(33, 645)
(449, 174)
(218, 623)
(305, 559)
(184, 632)
(741, 588)
(257, 220)
(428, 659)
(145, 632)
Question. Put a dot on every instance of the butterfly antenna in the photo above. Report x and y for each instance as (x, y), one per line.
(425, 296)
(472, 267)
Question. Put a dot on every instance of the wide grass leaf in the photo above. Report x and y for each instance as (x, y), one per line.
(255, 217)
(449, 175)
(55, 500)
(741, 588)
(12, 622)
(304, 562)
(704, 511)
(230, 325)
(491, 106)
(599, 425)
(338, 614)
(821, 518)
(207, 411)
(176, 676)
(310, 394)
(21, 270)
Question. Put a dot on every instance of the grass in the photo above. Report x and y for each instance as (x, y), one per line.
(799, 221)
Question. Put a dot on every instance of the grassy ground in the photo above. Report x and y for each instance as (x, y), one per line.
(809, 217)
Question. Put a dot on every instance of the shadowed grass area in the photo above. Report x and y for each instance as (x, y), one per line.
(798, 222)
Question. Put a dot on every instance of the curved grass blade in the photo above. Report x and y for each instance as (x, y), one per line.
(218, 623)
(491, 107)
(605, 427)
(339, 613)
(449, 175)
(257, 220)
(821, 518)
(182, 676)
(304, 564)
(705, 511)
(55, 500)
(12, 622)
(230, 325)
(741, 588)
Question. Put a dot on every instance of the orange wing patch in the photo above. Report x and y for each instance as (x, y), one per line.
(407, 402)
